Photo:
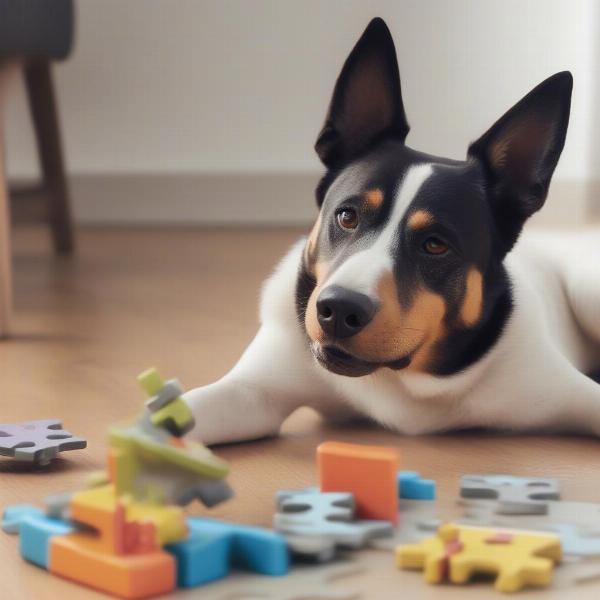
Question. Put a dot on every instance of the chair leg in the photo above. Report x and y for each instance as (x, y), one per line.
(6, 291)
(44, 113)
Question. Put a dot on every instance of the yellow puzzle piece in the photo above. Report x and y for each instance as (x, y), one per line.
(458, 552)
(96, 507)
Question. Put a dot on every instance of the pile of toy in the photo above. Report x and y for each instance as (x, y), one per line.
(127, 534)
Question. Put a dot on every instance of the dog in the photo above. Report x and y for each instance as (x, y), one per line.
(415, 301)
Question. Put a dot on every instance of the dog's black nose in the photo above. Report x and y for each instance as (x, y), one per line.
(342, 312)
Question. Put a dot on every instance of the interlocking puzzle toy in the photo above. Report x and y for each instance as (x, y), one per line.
(458, 553)
(315, 523)
(167, 409)
(213, 547)
(37, 442)
(368, 472)
(412, 487)
(115, 536)
(515, 495)
(149, 463)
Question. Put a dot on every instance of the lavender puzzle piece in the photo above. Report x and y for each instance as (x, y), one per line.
(37, 441)
(514, 495)
(316, 523)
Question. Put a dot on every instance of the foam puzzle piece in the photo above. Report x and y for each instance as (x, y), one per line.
(315, 523)
(368, 472)
(78, 557)
(37, 441)
(152, 465)
(35, 535)
(35, 531)
(314, 582)
(418, 520)
(584, 514)
(515, 495)
(201, 558)
(254, 548)
(119, 551)
(213, 546)
(517, 558)
(57, 505)
(576, 539)
(412, 487)
(14, 515)
(167, 408)
(170, 390)
(114, 518)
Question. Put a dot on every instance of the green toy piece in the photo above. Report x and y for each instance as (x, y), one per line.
(150, 464)
(172, 412)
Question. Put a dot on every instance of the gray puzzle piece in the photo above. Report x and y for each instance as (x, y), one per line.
(57, 506)
(177, 487)
(577, 538)
(170, 391)
(168, 484)
(514, 495)
(37, 441)
(316, 523)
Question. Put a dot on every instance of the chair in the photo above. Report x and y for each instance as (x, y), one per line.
(32, 34)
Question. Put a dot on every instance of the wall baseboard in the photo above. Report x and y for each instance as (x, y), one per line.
(267, 199)
(197, 199)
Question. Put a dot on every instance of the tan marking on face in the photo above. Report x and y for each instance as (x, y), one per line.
(396, 332)
(473, 302)
(311, 243)
(311, 322)
(374, 198)
(420, 219)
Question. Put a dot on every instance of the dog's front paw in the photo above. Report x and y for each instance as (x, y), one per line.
(228, 411)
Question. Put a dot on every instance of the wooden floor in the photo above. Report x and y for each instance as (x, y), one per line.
(186, 302)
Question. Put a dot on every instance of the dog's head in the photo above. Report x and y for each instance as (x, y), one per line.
(403, 268)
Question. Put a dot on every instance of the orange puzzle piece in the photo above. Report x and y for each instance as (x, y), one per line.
(368, 472)
(78, 557)
(121, 553)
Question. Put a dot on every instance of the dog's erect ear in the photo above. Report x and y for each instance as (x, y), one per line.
(367, 100)
(520, 151)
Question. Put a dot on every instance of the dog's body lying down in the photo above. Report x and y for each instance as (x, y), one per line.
(411, 301)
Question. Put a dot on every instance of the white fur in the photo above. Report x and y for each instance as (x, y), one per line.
(532, 378)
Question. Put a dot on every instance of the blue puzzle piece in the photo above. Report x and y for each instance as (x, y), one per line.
(35, 534)
(202, 557)
(253, 548)
(213, 546)
(14, 515)
(412, 487)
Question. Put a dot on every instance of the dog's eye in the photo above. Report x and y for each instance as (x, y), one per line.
(435, 245)
(347, 218)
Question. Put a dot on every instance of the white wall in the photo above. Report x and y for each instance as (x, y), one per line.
(230, 86)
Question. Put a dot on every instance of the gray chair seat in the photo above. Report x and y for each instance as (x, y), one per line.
(36, 29)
